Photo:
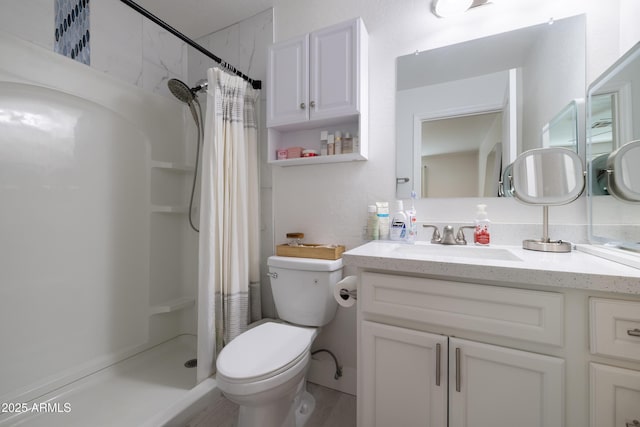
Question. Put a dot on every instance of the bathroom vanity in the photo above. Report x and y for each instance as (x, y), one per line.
(495, 337)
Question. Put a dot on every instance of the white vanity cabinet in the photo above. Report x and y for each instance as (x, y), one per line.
(318, 82)
(412, 374)
(615, 391)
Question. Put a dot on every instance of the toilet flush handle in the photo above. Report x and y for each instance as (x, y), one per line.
(273, 275)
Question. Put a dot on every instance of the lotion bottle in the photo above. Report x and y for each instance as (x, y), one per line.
(399, 223)
(482, 232)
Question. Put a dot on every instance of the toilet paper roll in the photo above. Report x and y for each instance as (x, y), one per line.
(348, 284)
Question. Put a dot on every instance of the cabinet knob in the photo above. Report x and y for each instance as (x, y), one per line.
(633, 332)
(302, 106)
(312, 104)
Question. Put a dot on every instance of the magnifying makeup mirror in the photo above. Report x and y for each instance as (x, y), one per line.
(548, 177)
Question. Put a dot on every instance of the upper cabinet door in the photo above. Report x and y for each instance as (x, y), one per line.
(288, 82)
(334, 71)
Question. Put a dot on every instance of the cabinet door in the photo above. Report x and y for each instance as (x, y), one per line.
(615, 393)
(288, 82)
(491, 386)
(334, 71)
(403, 381)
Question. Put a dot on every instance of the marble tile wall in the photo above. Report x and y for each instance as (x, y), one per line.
(123, 43)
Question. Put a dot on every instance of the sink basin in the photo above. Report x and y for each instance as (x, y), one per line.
(447, 251)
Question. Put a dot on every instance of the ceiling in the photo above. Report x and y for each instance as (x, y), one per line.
(197, 18)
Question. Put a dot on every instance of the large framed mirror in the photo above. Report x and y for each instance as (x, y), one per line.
(613, 154)
(464, 112)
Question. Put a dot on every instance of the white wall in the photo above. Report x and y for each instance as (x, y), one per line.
(328, 202)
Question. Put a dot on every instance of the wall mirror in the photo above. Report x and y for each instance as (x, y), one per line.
(613, 154)
(547, 177)
(476, 105)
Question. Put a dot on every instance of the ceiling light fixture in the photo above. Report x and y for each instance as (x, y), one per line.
(447, 8)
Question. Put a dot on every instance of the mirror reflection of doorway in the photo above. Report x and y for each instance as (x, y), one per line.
(468, 145)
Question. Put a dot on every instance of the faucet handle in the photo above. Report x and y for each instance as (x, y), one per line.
(460, 240)
(435, 237)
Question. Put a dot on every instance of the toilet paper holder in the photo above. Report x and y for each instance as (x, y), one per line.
(345, 293)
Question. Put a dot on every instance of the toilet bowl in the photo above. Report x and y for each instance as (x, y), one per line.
(264, 369)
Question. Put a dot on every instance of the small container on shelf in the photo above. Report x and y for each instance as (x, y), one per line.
(309, 153)
(281, 154)
(294, 152)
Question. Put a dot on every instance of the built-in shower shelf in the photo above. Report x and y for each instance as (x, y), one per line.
(173, 305)
(172, 166)
(171, 209)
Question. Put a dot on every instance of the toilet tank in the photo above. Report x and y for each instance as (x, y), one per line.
(303, 289)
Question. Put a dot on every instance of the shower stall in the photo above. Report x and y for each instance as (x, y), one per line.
(98, 292)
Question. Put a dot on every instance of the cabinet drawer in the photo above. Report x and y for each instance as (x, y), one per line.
(615, 328)
(515, 313)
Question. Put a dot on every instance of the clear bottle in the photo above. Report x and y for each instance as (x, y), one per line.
(324, 136)
(482, 232)
(373, 231)
(338, 142)
(412, 231)
(330, 145)
(399, 221)
(347, 143)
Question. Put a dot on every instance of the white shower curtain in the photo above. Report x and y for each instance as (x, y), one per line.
(229, 289)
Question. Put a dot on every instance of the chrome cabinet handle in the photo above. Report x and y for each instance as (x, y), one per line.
(438, 352)
(634, 423)
(303, 106)
(458, 388)
(634, 332)
(312, 104)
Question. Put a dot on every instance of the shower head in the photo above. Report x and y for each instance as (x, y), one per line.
(180, 90)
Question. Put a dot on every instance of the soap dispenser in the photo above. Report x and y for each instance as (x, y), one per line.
(482, 231)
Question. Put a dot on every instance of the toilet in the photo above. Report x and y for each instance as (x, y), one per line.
(264, 369)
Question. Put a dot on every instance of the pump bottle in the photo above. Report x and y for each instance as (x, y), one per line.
(482, 231)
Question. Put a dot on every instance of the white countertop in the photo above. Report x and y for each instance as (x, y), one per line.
(576, 269)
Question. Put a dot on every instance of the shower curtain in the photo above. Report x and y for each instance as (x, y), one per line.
(229, 288)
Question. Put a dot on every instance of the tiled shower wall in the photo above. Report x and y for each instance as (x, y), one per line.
(123, 43)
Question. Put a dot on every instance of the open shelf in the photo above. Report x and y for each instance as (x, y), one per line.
(172, 305)
(169, 209)
(172, 166)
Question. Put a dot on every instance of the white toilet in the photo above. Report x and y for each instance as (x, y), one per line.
(263, 370)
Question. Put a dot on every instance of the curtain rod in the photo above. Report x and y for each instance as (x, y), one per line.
(256, 84)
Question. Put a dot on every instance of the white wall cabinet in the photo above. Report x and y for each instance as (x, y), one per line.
(317, 82)
(409, 376)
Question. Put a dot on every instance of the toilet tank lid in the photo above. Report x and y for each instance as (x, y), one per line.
(308, 264)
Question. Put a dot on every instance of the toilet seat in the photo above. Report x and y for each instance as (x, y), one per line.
(269, 351)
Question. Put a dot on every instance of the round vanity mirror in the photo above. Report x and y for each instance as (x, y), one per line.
(547, 177)
(623, 173)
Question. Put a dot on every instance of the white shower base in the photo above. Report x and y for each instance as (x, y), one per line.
(152, 388)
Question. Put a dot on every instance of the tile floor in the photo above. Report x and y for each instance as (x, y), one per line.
(333, 409)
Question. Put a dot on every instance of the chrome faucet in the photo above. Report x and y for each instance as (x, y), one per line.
(447, 237)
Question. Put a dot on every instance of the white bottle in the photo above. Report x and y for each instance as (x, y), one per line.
(399, 223)
(373, 231)
(482, 232)
(412, 231)
(383, 220)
